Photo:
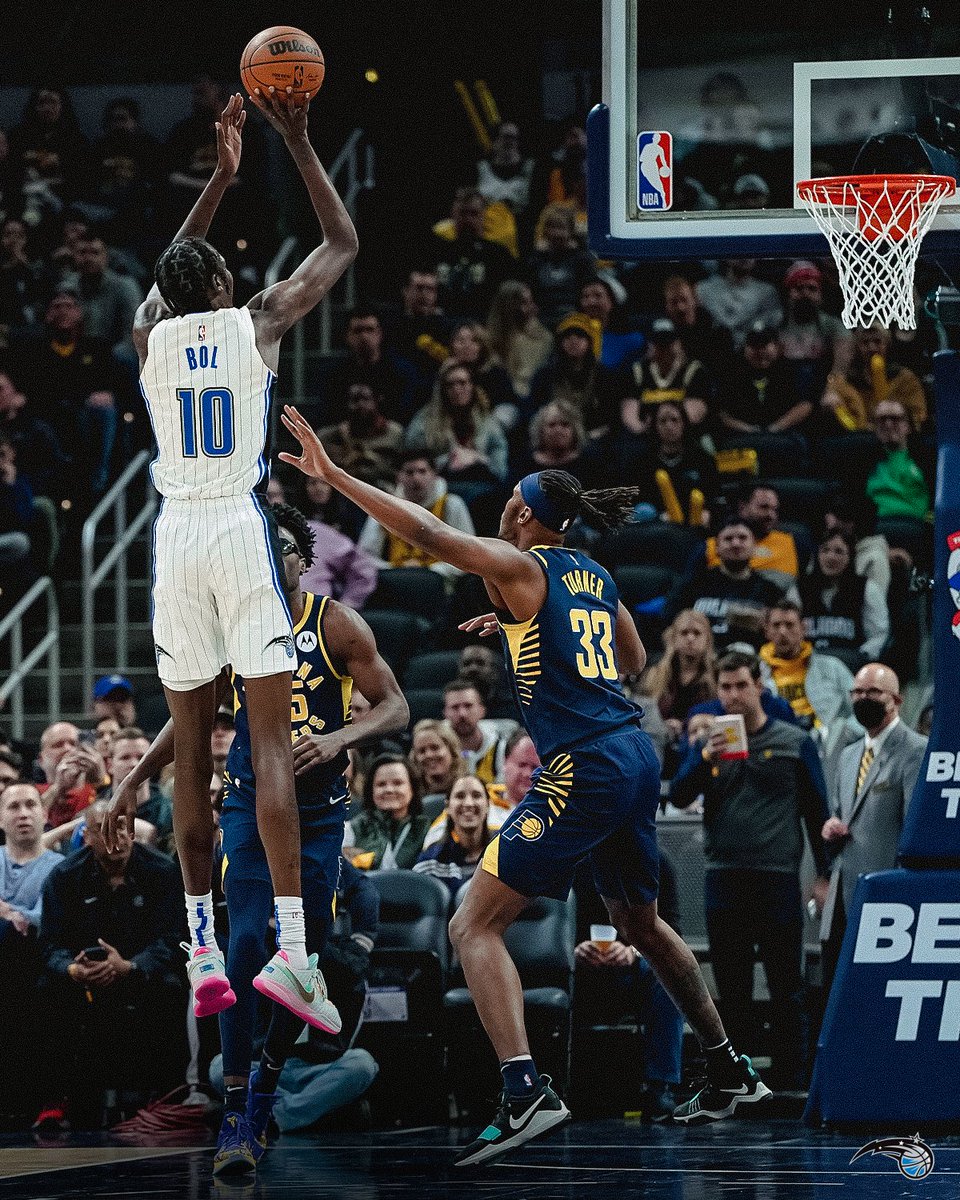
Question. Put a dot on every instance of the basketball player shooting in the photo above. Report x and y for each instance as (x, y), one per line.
(567, 640)
(207, 369)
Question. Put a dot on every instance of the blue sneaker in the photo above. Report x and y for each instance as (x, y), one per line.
(236, 1151)
(258, 1114)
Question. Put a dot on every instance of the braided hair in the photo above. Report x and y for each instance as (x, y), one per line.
(187, 272)
(603, 508)
(294, 520)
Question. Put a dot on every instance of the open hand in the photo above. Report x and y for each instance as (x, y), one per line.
(229, 128)
(286, 113)
(314, 460)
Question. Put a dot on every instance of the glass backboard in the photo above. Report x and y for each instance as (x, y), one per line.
(713, 112)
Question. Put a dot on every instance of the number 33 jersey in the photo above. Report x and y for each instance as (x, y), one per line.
(562, 662)
(208, 394)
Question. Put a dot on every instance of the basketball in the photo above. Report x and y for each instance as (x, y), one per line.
(282, 57)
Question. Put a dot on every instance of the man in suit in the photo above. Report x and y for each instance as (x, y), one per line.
(872, 787)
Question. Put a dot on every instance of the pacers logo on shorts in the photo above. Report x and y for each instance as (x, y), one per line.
(526, 825)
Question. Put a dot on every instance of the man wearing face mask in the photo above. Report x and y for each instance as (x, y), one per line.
(872, 787)
(813, 342)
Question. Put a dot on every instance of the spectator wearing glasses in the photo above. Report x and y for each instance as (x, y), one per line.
(871, 793)
(897, 485)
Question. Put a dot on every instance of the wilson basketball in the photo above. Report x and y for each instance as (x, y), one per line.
(282, 57)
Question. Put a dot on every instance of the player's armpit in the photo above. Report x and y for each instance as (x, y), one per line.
(351, 642)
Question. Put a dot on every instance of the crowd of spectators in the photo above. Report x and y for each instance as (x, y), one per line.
(783, 475)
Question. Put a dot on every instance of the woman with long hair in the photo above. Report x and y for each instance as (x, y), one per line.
(842, 610)
(455, 856)
(687, 673)
(435, 755)
(519, 340)
(466, 441)
(387, 834)
(470, 345)
(670, 446)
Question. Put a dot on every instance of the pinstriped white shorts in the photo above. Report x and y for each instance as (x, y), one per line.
(217, 592)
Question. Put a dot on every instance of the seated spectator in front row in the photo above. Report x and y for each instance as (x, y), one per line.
(687, 673)
(111, 924)
(897, 485)
(483, 743)
(871, 378)
(816, 686)
(465, 440)
(843, 611)
(775, 551)
(732, 595)
(455, 854)
(762, 393)
(418, 482)
(437, 760)
(24, 867)
(366, 444)
(387, 835)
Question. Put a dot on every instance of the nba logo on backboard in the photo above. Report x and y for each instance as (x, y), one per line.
(654, 171)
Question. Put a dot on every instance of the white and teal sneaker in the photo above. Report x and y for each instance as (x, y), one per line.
(516, 1122)
(303, 992)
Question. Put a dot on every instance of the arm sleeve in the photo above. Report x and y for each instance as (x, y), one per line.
(876, 620)
(812, 798)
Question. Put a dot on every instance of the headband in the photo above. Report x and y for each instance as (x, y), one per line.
(540, 504)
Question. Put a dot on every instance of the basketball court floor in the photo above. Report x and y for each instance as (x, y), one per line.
(755, 1159)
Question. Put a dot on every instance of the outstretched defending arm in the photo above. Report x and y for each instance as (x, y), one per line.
(283, 304)
(496, 561)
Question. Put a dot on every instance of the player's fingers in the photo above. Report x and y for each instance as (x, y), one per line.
(291, 459)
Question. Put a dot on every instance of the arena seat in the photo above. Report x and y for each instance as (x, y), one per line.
(398, 634)
(424, 703)
(786, 454)
(431, 670)
(656, 543)
(411, 589)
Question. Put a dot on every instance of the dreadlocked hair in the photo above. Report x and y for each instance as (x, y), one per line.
(603, 508)
(294, 520)
(187, 271)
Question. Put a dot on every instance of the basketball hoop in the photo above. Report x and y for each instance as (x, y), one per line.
(875, 224)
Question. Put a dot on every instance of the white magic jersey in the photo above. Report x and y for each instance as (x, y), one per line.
(208, 394)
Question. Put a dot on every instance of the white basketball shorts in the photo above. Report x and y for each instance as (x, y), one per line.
(218, 592)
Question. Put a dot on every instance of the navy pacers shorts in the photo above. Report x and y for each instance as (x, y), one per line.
(321, 838)
(596, 801)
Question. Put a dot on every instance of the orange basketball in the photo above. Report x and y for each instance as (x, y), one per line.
(282, 57)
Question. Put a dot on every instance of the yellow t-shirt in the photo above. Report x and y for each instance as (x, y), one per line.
(790, 676)
(777, 552)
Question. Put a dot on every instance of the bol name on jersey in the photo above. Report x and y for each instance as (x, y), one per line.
(320, 703)
(562, 662)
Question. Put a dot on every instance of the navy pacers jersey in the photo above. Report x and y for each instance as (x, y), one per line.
(562, 662)
(320, 704)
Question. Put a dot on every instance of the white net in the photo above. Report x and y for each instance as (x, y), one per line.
(875, 225)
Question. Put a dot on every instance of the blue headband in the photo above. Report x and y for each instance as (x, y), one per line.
(540, 504)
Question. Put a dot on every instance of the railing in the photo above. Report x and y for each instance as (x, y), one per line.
(48, 646)
(355, 164)
(116, 557)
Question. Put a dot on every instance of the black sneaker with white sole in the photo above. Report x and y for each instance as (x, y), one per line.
(516, 1122)
(715, 1101)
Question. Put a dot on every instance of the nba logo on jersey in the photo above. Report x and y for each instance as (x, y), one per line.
(654, 171)
(201, 333)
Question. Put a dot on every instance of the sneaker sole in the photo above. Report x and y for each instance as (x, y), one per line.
(761, 1093)
(280, 995)
(539, 1124)
(213, 996)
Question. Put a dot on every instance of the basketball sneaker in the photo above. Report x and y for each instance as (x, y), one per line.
(212, 992)
(516, 1122)
(303, 992)
(259, 1111)
(236, 1151)
(716, 1100)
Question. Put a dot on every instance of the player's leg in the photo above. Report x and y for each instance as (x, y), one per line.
(193, 710)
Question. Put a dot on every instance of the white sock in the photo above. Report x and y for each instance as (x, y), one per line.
(200, 922)
(291, 935)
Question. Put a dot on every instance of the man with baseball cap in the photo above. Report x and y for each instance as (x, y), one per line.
(113, 697)
(812, 341)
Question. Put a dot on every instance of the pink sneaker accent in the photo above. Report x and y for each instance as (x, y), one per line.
(212, 992)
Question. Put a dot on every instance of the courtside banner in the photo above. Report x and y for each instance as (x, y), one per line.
(931, 834)
(889, 1048)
